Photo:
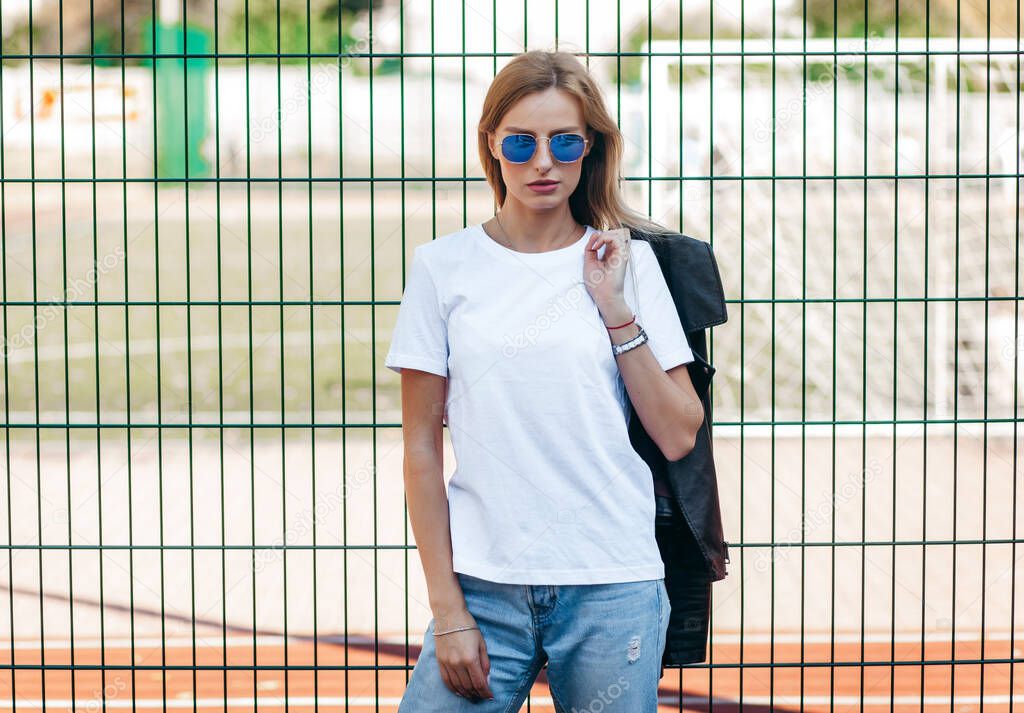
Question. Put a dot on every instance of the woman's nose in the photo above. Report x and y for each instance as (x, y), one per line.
(543, 155)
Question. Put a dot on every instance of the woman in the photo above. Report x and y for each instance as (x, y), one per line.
(524, 334)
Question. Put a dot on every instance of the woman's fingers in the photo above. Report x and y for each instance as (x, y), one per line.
(617, 237)
(485, 660)
(466, 687)
(454, 681)
(479, 681)
(447, 678)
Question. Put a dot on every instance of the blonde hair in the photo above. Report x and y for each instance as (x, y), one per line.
(597, 200)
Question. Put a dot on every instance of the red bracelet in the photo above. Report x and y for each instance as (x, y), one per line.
(626, 324)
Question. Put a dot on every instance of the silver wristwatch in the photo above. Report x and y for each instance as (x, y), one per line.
(633, 343)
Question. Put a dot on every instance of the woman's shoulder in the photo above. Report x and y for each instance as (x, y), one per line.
(444, 251)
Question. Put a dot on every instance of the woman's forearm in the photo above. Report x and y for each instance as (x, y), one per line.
(428, 513)
(668, 414)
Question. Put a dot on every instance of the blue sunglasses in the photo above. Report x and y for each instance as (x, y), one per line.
(565, 148)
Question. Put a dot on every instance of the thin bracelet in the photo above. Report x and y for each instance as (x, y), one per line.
(626, 324)
(450, 631)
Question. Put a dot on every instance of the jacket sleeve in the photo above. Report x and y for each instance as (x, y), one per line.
(692, 275)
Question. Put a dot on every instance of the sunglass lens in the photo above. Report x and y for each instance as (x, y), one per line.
(518, 148)
(567, 147)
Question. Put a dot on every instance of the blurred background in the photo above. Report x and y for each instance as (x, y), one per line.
(208, 210)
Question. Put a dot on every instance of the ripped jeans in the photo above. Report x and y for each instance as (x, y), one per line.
(602, 644)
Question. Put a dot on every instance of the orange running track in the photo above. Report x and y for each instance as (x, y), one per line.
(375, 678)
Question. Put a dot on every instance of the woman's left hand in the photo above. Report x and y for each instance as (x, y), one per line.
(605, 278)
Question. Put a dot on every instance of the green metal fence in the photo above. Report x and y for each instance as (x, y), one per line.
(205, 236)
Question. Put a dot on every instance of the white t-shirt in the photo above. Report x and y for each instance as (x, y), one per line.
(547, 487)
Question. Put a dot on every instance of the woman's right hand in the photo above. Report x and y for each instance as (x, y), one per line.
(462, 656)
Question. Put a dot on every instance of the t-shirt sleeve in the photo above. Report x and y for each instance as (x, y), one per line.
(657, 314)
(420, 339)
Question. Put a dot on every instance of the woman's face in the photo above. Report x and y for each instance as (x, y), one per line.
(541, 114)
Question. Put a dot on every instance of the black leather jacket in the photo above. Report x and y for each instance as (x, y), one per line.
(692, 545)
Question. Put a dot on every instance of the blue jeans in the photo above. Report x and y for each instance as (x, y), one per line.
(602, 643)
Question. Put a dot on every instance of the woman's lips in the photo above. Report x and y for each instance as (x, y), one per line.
(542, 187)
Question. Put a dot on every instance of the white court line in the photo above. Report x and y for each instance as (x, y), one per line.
(367, 701)
(363, 640)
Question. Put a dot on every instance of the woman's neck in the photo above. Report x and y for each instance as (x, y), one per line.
(534, 231)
